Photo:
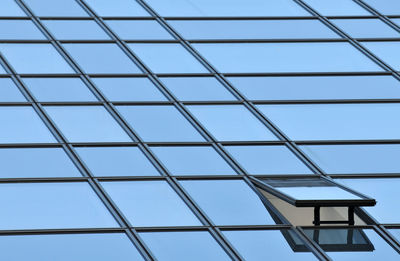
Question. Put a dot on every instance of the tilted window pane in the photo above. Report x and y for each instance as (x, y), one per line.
(9, 91)
(336, 121)
(2, 71)
(67, 247)
(117, 8)
(87, 124)
(150, 203)
(116, 161)
(52, 205)
(19, 30)
(56, 8)
(10, 8)
(389, 52)
(337, 7)
(285, 57)
(193, 245)
(75, 30)
(366, 28)
(396, 233)
(139, 30)
(396, 21)
(190, 160)
(386, 7)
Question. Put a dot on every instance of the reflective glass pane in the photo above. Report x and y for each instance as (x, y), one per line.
(222, 122)
(317, 87)
(396, 233)
(101, 58)
(116, 161)
(139, 29)
(150, 203)
(87, 124)
(337, 7)
(386, 7)
(167, 58)
(36, 162)
(59, 89)
(366, 28)
(194, 246)
(396, 21)
(129, 89)
(52, 205)
(336, 121)
(75, 30)
(191, 160)
(10, 8)
(67, 247)
(19, 30)
(285, 57)
(56, 8)
(117, 8)
(228, 202)
(268, 160)
(159, 123)
(2, 71)
(389, 52)
(35, 58)
(9, 91)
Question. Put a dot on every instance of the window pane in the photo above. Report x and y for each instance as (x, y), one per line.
(167, 58)
(116, 161)
(52, 205)
(59, 89)
(317, 87)
(366, 28)
(101, 58)
(386, 51)
(386, 7)
(150, 203)
(268, 160)
(191, 160)
(117, 8)
(197, 89)
(67, 247)
(336, 121)
(19, 30)
(354, 159)
(139, 29)
(252, 29)
(87, 124)
(222, 122)
(228, 202)
(337, 7)
(395, 232)
(285, 57)
(55, 8)
(129, 89)
(22, 125)
(396, 21)
(36, 162)
(9, 91)
(10, 8)
(159, 123)
(194, 246)
(75, 30)
(35, 58)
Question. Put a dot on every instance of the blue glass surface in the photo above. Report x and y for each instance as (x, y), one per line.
(159, 123)
(285, 57)
(396, 21)
(52, 205)
(35, 58)
(75, 30)
(56, 8)
(87, 124)
(2, 71)
(167, 58)
(10, 8)
(139, 30)
(337, 7)
(389, 52)
(228, 202)
(19, 30)
(336, 121)
(396, 233)
(117, 8)
(222, 122)
(190, 160)
(193, 246)
(101, 58)
(67, 247)
(386, 7)
(150, 203)
(116, 161)
(9, 91)
(366, 28)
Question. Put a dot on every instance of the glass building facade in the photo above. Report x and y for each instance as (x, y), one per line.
(199, 130)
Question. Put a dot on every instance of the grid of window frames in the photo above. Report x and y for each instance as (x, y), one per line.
(132, 129)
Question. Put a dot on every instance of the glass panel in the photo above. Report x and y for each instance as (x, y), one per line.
(116, 161)
(22, 125)
(75, 30)
(129, 89)
(227, 8)
(285, 57)
(228, 202)
(366, 28)
(386, 51)
(139, 29)
(52, 205)
(336, 121)
(2, 71)
(191, 160)
(268, 160)
(337, 7)
(36, 162)
(59, 89)
(150, 203)
(159, 123)
(318, 87)
(167, 58)
(197, 89)
(395, 232)
(117, 8)
(67, 247)
(396, 21)
(194, 246)
(35, 58)
(10, 8)
(9, 91)
(386, 7)
(354, 159)
(55, 8)
(222, 122)
(19, 30)
(87, 124)
(252, 29)
(101, 58)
